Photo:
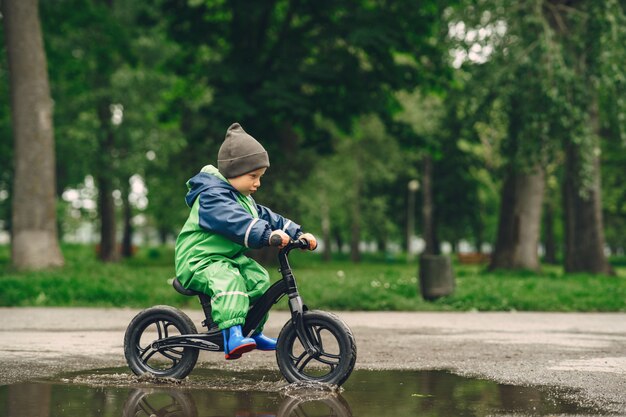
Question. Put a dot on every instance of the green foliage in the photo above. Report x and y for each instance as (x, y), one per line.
(376, 284)
(347, 97)
(280, 66)
(85, 44)
(354, 178)
(114, 93)
(547, 60)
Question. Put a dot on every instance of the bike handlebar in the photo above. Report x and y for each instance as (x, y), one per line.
(276, 240)
(298, 244)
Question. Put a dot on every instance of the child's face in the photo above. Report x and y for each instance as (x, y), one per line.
(248, 183)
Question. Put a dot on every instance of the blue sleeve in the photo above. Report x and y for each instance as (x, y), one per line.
(276, 221)
(220, 212)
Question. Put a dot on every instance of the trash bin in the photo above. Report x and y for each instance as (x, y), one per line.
(436, 276)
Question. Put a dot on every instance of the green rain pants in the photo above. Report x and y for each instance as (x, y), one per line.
(233, 285)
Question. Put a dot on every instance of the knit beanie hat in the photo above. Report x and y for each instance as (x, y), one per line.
(240, 153)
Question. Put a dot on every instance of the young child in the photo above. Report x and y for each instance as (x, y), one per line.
(223, 223)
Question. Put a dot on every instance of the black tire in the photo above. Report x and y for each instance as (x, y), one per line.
(337, 348)
(153, 324)
(148, 402)
(333, 405)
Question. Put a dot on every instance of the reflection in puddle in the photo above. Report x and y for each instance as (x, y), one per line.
(160, 403)
(113, 392)
(148, 402)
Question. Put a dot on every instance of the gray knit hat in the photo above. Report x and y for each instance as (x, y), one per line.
(240, 153)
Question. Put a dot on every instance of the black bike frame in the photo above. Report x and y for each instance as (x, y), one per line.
(213, 340)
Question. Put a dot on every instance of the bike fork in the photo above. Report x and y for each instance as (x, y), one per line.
(297, 319)
(296, 306)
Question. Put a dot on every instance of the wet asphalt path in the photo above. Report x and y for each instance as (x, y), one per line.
(583, 352)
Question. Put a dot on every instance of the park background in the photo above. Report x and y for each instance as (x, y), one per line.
(495, 128)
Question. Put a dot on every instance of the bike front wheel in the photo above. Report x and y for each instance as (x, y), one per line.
(336, 350)
(154, 324)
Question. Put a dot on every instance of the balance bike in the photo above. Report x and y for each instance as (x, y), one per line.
(313, 346)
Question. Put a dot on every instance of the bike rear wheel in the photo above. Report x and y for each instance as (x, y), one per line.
(153, 324)
(333, 339)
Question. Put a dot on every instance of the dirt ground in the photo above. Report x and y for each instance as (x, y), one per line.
(585, 353)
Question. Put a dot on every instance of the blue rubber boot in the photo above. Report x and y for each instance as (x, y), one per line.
(235, 344)
(263, 342)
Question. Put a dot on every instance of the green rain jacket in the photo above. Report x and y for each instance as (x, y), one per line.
(222, 224)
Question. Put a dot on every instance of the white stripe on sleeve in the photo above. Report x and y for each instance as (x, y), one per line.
(245, 239)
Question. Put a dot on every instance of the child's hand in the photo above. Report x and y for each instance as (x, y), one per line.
(285, 239)
(310, 239)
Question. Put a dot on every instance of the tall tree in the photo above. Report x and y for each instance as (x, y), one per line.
(521, 202)
(34, 227)
(87, 45)
(555, 66)
(118, 114)
(551, 205)
(523, 93)
(598, 38)
(107, 136)
(423, 115)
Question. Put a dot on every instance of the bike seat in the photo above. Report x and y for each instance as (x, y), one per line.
(184, 291)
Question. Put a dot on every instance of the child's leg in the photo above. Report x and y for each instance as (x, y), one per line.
(256, 278)
(229, 302)
(257, 283)
(223, 282)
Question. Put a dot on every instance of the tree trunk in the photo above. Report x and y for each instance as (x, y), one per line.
(35, 241)
(410, 217)
(338, 240)
(478, 238)
(326, 234)
(582, 196)
(520, 219)
(428, 208)
(548, 231)
(584, 233)
(127, 236)
(381, 244)
(106, 206)
(163, 235)
(355, 230)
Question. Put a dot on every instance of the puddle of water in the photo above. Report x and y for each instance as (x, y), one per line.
(114, 392)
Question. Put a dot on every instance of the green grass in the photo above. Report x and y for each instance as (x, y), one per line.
(375, 284)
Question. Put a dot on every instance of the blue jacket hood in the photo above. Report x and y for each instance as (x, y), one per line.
(208, 177)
